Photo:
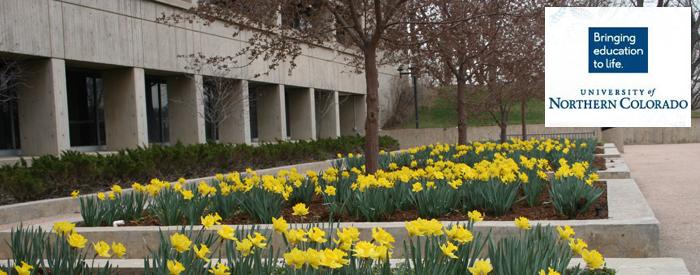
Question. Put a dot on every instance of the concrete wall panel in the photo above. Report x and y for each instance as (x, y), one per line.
(25, 27)
(186, 109)
(302, 114)
(271, 113)
(125, 108)
(236, 129)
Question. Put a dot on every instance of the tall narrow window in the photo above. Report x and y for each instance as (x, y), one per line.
(253, 109)
(157, 110)
(9, 123)
(85, 109)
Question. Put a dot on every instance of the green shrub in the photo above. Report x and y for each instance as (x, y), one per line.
(56, 176)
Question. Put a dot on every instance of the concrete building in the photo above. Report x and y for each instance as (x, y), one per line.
(103, 75)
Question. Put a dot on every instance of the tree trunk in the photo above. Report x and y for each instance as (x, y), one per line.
(522, 118)
(461, 113)
(504, 129)
(372, 120)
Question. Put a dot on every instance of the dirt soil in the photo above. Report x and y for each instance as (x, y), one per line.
(318, 213)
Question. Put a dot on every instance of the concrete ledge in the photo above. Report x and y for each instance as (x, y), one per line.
(631, 230)
(616, 169)
(610, 152)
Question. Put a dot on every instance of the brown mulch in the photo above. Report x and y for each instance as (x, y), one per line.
(599, 163)
(318, 213)
(599, 150)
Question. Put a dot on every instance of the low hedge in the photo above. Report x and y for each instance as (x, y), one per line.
(51, 176)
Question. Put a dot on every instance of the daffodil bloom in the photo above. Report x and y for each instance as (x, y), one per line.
(76, 240)
(180, 242)
(258, 240)
(75, 194)
(220, 269)
(24, 268)
(117, 189)
(2, 272)
(566, 232)
(186, 194)
(102, 249)
(295, 258)
(210, 220)
(300, 209)
(475, 216)
(175, 267)
(448, 249)
(577, 245)
(201, 252)
(63, 228)
(417, 187)
(550, 271)
(245, 247)
(330, 190)
(593, 258)
(317, 235)
(111, 196)
(459, 234)
(382, 252)
(365, 250)
(226, 232)
(382, 237)
(101, 196)
(481, 267)
(522, 223)
(296, 235)
(119, 249)
(280, 225)
(422, 227)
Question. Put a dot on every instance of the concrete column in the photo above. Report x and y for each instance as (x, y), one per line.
(616, 136)
(271, 113)
(125, 108)
(329, 116)
(236, 128)
(186, 109)
(302, 114)
(43, 108)
(360, 113)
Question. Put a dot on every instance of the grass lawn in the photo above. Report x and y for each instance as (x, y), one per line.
(443, 114)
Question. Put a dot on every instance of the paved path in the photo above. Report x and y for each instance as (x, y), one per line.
(669, 177)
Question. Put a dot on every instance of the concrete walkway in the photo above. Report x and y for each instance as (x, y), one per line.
(669, 177)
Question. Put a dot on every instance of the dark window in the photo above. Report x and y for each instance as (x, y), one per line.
(157, 110)
(85, 108)
(9, 122)
(253, 107)
(287, 112)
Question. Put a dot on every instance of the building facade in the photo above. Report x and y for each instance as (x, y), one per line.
(103, 75)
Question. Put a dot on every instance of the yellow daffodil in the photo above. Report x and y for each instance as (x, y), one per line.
(245, 247)
(180, 242)
(258, 240)
(102, 249)
(330, 190)
(119, 249)
(481, 267)
(577, 245)
(300, 209)
(76, 240)
(175, 267)
(522, 223)
(422, 227)
(63, 228)
(210, 220)
(117, 189)
(220, 269)
(317, 235)
(365, 250)
(226, 232)
(448, 249)
(593, 258)
(475, 216)
(295, 258)
(24, 268)
(111, 196)
(280, 225)
(101, 196)
(75, 194)
(417, 187)
(459, 234)
(382, 237)
(2, 272)
(296, 235)
(201, 252)
(566, 232)
(550, 271)
(186, 194)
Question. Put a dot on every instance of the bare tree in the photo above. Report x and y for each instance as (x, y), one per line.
(218, 91)
(367, 26)
(10, 77)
